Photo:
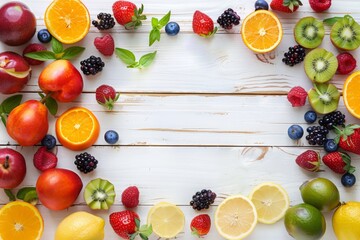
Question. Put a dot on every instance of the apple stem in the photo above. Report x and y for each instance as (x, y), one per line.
(43, 100)
(6, 163)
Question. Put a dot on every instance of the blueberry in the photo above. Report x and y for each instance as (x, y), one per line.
(310, 116)
(330, 145)
(295, 132)
(261, 5)
(348, 180)
(44, 36)
(49, 141)
(172, 28)
(111, 137)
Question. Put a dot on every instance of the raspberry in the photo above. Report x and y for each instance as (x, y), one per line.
(130, 197)
(297, 96)
(347, 63)
(105, 44)
(320, 5)
(228, 19)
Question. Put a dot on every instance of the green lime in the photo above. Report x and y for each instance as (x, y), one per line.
(305, 222)
(321, 193)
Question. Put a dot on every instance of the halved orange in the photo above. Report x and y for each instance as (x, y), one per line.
(20, 220)
(351, 94)
(261, 31)
(77, 128)
(67, 20)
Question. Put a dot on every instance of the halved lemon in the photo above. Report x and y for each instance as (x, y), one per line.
(235, 217)
(261, 31)
(271, 202)
(20, 220)
(167, 220)
(67, 20)
(351, 94)
(77, 128)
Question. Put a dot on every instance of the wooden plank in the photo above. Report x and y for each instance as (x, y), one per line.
(202, 120)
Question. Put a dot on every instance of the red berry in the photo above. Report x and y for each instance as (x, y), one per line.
(33, 47)
(347, 63)
(320, 5)
(297, 96)
(200, 225)
(309, 160)
(339, 162)
(287, 6)
(127, 14)
(130, 197)
(123, 223)
(44, 159)
(106, 96)
(105, 44)
(203, 25)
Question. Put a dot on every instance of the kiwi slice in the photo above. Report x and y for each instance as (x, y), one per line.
(99, 194)
(309, 32)
(345, 34)
(320, 65)
(324, 98)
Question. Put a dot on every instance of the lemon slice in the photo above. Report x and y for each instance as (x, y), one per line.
(235, 217)
(167, 220)
(271, 202)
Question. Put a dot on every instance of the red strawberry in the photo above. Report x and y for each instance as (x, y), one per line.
(130, 197)
(297, 96)
(349, 138)
(320, 5)
(287, 6)
(203, 25)
(44, 159)
(200, 225)
(347, 63)
(105, 44)
(106, 96)
(33, 47)
(126, 224)
(339, 162)
(127, 14)
(309, 160)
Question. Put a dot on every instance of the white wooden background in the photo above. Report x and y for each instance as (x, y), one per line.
(208, 113)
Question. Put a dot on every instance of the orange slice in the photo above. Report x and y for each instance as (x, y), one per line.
(20, 220)
(351, 94)
(67, 20)
(261, 31)
(77, 128)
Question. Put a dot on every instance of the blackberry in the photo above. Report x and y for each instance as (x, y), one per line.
(317, 135)
(332, 119)
(203, 199)
(228, 19)
(294, 56)
(92, 65)
(85, 162)
(105, 21)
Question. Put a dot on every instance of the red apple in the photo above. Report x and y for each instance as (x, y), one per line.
(58, 188)
(15, 72)
(12, 168)
(62, 80)
(28, 123)
(17, 24)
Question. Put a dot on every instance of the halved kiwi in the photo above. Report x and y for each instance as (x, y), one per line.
(99, 194)
(320, 65)
(324, 98)
(345, 34)
(309, 32)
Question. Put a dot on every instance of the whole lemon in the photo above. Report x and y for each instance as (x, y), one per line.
(81, 226)
(346, 221)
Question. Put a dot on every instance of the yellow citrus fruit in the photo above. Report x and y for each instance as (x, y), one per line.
(80, 226)
(261, 31)
(346, 221)
(235, 217)
(67, 20)
(351, 94)
(167, 220)
(77, 128)
(271, 202)
(20, 220)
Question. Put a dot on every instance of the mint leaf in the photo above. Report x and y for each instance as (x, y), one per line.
(56, 46)
(72, 52)
(125, 55)
(51, 105)
(154, 22)
(10, 103)
(164, 20)
(154, 36)
(41, 55)
(147, 59)
(331, 21)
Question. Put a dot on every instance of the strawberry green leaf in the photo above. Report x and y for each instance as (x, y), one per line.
(147, 59)
(56, 46)
(125, 55)
(51, 105)
(154, 36)
(164, 20)
(10, 195)
(10, 103)
(41, 55)
(331, 21)
(72, 52)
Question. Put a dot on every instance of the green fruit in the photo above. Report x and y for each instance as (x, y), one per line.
(345, 34)
(309, 32)
(320, 65)
(321, 193)
(324, 98)
(99, 194)
(305, 222)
